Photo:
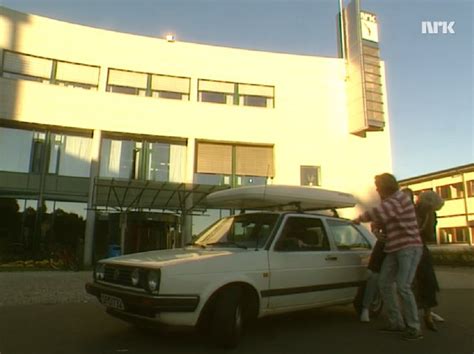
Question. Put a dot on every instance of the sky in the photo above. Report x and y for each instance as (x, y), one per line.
(429, 76)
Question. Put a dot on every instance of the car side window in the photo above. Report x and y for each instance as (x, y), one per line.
(303, 234)
(347, 237)
(247, 232)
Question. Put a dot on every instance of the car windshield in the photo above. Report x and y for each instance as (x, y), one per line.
(243, 231)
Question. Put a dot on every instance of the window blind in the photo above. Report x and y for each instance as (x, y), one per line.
(216, 86)
(256, 90)
(170, 83)
(254, 161)
(27, 65)
(127, 78)
(77, 73)
(214, 158)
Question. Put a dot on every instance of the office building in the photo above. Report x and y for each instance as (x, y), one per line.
(113, 138)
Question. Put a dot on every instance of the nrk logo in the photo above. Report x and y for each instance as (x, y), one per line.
(437, 27)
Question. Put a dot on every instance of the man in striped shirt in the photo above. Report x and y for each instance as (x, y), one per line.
(403, 248)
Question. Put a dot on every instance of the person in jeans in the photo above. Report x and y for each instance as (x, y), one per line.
(403, 248)
(375, 263)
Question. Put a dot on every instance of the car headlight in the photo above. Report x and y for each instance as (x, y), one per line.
(99, 272)
(153, 280)
(135, 277)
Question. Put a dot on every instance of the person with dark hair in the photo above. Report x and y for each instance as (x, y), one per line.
(426, 282)
(403, 248)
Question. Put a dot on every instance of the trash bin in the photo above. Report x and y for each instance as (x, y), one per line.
(114, 251)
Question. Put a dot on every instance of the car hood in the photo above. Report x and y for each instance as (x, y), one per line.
(160, 258)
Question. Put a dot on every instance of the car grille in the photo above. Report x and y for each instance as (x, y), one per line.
(118, 275)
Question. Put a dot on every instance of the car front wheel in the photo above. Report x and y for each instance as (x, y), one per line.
(228, 317)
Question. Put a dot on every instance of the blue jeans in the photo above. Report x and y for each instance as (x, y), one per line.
(399, 268)
(371, 289)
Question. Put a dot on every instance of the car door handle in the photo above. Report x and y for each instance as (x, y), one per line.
(331, 258)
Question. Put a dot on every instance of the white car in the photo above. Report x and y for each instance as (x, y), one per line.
(241, 268)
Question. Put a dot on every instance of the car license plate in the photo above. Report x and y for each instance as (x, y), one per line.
(112, 301)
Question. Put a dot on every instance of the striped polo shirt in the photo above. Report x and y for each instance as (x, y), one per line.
(397, 214)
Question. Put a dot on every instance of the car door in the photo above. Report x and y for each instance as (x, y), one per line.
(352, 251)
(302, 265)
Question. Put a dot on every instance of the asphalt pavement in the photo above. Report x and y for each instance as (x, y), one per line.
(85, 328)
(48, 312)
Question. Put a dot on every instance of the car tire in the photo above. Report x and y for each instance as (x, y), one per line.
(228, 317)
(376, 306)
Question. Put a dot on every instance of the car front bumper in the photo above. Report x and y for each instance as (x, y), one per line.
(142, 304)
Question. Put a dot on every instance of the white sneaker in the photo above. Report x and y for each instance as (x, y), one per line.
(364, 315)
(436, 317)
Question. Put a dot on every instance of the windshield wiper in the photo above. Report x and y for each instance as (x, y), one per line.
(228, 243)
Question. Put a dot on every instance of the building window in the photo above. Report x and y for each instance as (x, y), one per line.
(23, 77)
(458, 190)
(127, 82)
(233, 164)
(24, 66)
(253, 161)
(125, 90)
(310, 175)
(470, 188)
(117, 158)
(454, 235)
(55, 153)
(150, 85)
(159, 162)
(213, 97)
(38, 150)
(212, 179)
(19, 143)
(251, 181)
(170, 87)
(142, 159)
(451, 191)
(255, 101)
(444, 192)
(169, 95)
(76, 75)
(29, 67)
(234, 93)
(69, 155)
(255, 95)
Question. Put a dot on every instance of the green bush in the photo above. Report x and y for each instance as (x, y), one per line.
(456, 258)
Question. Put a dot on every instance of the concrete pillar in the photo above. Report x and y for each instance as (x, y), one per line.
(187, 220)
(90, 220)
(123, 230)
(103, 79)
(187, 223)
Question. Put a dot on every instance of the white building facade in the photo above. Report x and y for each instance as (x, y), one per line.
(85, 110)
